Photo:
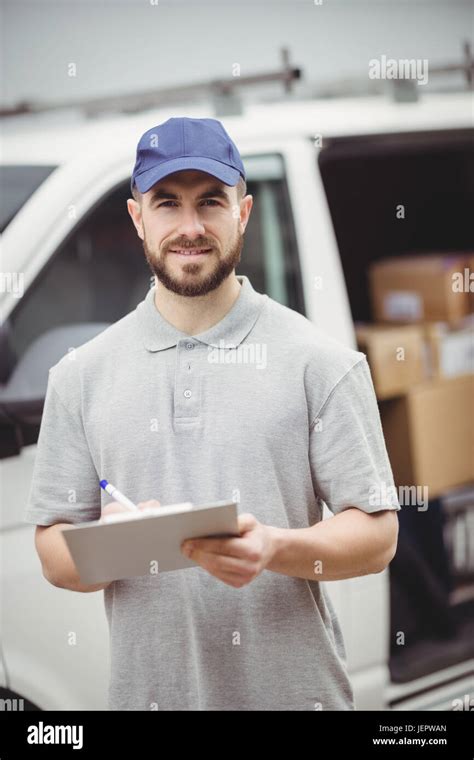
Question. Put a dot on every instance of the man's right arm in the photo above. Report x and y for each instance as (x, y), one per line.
(56, 561)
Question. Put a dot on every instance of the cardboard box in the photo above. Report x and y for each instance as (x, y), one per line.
(471, 283)
(396, 356)
(429, 434)
(420, 288)
(450, 351)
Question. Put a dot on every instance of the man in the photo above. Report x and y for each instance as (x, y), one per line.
(159, 404)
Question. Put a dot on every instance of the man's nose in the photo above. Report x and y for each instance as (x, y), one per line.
(190, 224)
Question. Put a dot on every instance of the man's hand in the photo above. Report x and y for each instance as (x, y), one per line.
(235, 561)
(115, 506)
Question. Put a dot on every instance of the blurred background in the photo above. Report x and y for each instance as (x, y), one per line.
(121, 46)
(355, 124)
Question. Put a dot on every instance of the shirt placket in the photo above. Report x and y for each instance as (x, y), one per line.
(187, 389)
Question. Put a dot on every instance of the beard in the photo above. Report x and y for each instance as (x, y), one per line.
(190, 282)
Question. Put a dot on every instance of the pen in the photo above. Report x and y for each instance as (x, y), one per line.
(118, 496)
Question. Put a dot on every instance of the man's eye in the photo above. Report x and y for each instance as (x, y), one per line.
(169, 204)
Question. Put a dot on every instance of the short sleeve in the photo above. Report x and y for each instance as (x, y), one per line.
(348, 457)
(65, 485)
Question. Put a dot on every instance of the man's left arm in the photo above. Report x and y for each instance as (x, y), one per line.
(350, 544)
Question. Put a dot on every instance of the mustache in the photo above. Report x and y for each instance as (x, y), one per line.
(193, 244)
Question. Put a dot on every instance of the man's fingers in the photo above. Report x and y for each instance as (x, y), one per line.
(230, 547)
(228, 570)
(246, 522)
(231, 579)
(150, 504)
(220, 564)
(114, 506)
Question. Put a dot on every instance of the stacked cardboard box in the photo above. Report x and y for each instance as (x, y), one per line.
(421, 288)
(471, 281)
(396, 355)
(449, 351)
(429, 434)
(421, 353)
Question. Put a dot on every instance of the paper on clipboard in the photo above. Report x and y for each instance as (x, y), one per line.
(132, 544)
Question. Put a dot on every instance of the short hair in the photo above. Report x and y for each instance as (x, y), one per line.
(136, 194)
(241, 188)
(241, 191)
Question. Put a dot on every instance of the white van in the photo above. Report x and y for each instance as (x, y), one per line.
(326, 177)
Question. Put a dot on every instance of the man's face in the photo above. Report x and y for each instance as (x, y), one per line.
(191, 225)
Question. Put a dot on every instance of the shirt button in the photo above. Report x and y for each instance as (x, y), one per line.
(189, 346)
(187, 394)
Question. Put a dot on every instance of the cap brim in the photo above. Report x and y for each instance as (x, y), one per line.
(224, 173)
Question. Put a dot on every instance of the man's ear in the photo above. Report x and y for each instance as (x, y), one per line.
(135, 211)
(245, 208)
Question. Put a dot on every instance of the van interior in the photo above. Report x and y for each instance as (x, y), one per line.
(366, 180)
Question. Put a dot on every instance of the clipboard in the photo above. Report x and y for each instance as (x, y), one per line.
(130, 544)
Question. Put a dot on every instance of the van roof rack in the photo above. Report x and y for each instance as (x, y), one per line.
(227, 101)
(405, 90)
(221, 91)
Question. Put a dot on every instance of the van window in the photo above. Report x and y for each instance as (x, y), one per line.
(270, 256)
(97, 275)
(100, 273)
(17, 184)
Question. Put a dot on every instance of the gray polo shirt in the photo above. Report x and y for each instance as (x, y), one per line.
(262, 407)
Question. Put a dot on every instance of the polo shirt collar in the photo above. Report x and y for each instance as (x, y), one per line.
(158, 334)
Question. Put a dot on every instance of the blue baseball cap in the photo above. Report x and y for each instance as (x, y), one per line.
(184, 143)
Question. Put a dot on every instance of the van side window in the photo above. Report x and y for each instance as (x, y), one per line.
(97, 275)
(270, 256)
